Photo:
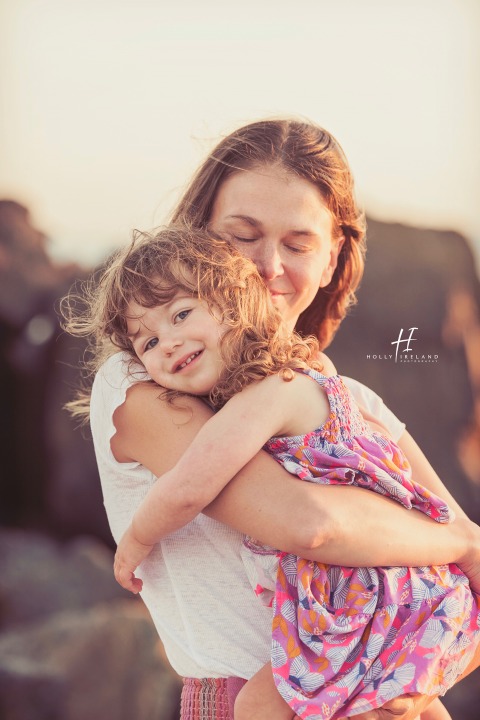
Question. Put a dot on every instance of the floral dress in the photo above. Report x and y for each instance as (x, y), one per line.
(347, 640)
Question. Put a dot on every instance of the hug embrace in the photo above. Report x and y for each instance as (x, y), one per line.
(225, 440)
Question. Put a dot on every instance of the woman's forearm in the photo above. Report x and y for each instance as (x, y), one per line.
(337, 525)
(424, 473)
(377, 531)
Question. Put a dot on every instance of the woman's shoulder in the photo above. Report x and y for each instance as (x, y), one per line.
(367, 399)
(328, 368)
(110, 387)
(120, 369)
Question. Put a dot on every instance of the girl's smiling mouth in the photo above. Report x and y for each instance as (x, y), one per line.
(187, 361)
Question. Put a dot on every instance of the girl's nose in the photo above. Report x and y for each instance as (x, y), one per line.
(168, 343)
(269, 261)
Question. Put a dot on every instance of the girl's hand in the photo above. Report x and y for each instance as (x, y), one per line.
(129, 555)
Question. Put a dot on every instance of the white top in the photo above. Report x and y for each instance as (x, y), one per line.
(194, 583)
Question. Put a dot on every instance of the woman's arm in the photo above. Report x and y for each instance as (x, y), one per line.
(423, 472)
(336, 524)
(421, 469)
(375, 411)
(328, 523)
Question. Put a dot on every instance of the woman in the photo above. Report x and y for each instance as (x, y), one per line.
(283, 193)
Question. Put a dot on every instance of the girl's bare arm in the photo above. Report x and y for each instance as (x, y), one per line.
(337, 525)
(222, 446)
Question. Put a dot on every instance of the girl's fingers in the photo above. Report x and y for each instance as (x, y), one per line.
(135, 585)
(127, 579)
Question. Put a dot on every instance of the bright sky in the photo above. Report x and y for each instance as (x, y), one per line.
(109, 105)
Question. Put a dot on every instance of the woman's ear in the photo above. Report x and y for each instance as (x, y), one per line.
(337, 244)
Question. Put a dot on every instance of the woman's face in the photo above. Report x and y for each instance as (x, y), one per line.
(281, 223)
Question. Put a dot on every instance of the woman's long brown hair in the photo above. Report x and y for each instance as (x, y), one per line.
(304, 150)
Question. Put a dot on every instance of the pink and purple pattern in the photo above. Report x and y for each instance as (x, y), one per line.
(347, 640)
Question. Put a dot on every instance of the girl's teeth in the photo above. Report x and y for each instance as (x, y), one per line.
(189, 360)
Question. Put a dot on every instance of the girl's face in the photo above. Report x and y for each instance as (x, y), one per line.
(281, 223)
(178, 343)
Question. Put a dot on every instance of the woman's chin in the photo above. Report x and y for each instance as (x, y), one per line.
(289, 320)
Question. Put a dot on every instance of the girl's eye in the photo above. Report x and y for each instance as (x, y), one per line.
(151, 343)
(182, 315)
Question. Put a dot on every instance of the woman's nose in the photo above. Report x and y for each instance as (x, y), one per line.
(269, 262)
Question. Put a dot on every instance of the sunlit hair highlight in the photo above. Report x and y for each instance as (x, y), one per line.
(304, 150)
(152, 270)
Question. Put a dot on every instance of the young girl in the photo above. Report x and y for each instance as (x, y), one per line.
(200, 321)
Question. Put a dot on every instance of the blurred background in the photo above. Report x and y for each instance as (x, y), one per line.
(107, 109)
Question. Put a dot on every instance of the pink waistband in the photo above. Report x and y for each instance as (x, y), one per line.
(209, 698)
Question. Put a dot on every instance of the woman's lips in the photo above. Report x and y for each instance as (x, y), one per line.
(275, 295)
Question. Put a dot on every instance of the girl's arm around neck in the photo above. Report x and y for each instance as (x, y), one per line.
(220, 449)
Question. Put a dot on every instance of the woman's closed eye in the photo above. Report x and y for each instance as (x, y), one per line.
(237, 238)
(299, 249)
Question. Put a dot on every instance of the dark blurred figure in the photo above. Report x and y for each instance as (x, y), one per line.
(34, 373)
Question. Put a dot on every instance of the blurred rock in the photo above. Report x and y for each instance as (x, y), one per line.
(39, 576)
(99, 663)
(48, 473)
(74, 645)
(425, 279)
(73, 496)
(30, 692)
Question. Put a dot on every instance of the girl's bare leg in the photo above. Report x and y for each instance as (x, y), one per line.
(259, 699)
(409, 707)
(415, 706)
(436, 711)
(406, 707)
(260, 690)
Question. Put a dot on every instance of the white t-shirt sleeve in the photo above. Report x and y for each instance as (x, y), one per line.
(375, 405)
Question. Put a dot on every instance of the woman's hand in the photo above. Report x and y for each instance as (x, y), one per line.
(470, 565)
(129, 555)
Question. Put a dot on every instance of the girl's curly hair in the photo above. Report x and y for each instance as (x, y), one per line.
(151, 271)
